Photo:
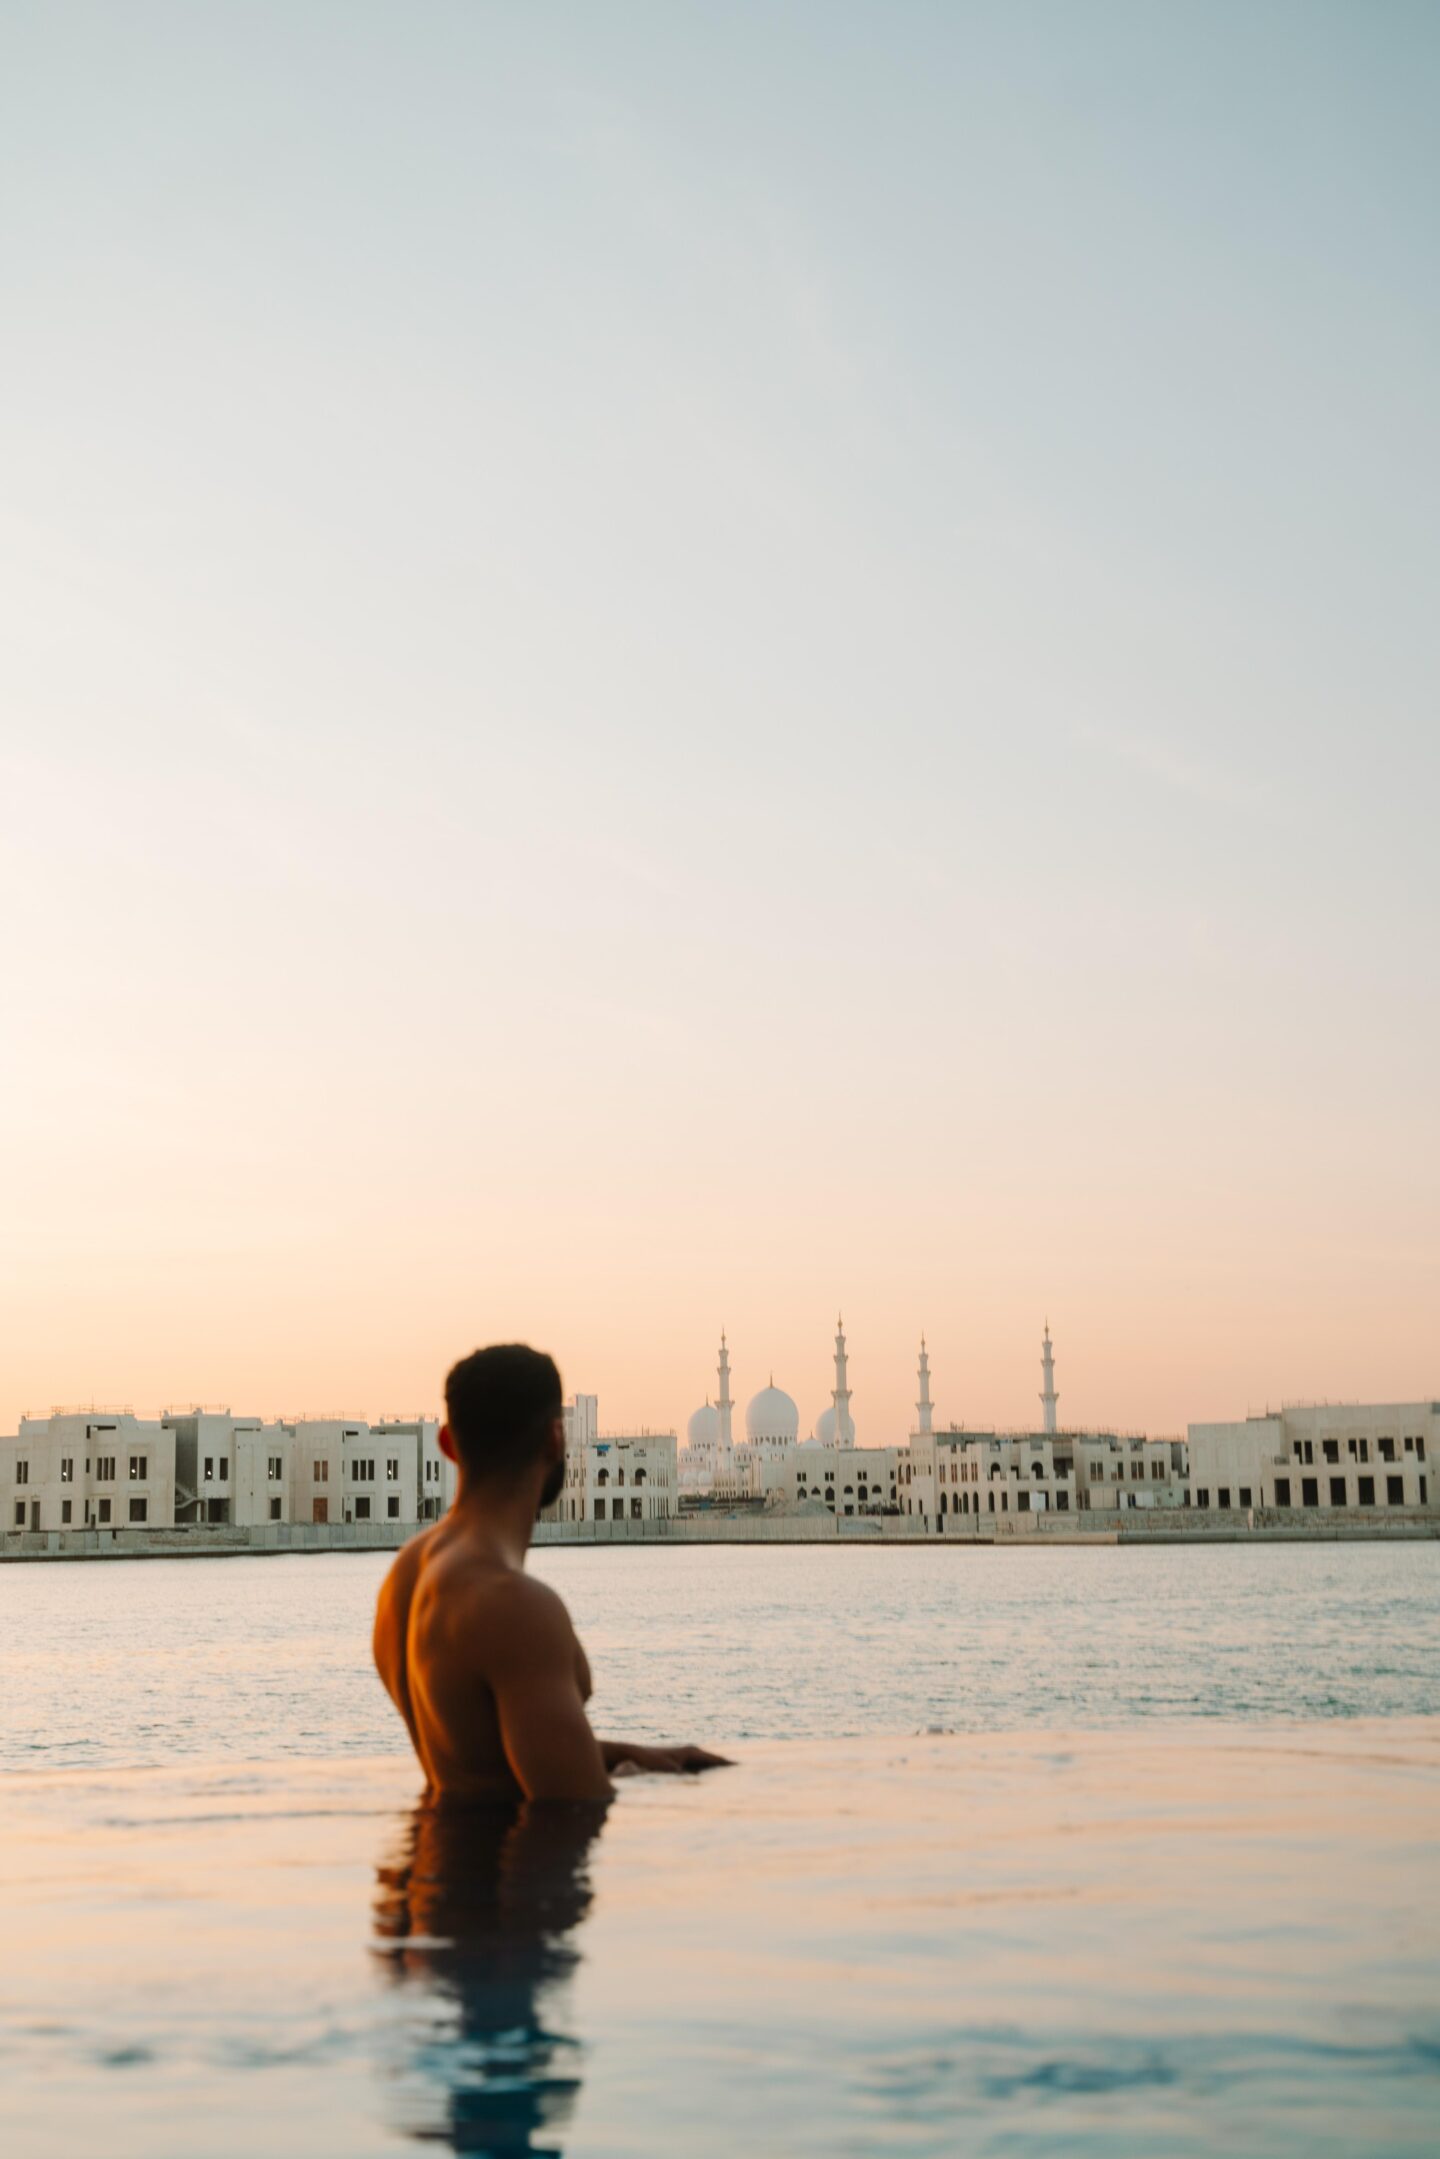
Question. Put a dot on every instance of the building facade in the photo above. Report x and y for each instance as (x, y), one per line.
(1356, 1457)
(614, 1477)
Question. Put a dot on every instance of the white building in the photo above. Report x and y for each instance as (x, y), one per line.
(85, 1469)
(1364, 1458)
(103, 1469)
(437, 1473)
(979, 1475)
(845, 1480)
(614, 1477)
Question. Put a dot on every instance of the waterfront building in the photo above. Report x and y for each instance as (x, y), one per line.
(843, 1480)
(614, 1477)
(983, 1474)
(1365, 1457)
(88, 1468)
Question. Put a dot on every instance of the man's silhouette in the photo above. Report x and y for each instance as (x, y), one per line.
(479, 1658)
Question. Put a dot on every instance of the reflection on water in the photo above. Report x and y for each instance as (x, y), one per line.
(476, 1917)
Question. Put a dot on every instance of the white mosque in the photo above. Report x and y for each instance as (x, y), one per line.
(712, 1462)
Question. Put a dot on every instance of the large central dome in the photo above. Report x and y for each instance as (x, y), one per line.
(771, 1418)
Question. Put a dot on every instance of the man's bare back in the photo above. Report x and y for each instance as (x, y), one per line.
(481, 1660)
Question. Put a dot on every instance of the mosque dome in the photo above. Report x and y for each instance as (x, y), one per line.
(771, 1416)
(825, 1428)
(703, 1430)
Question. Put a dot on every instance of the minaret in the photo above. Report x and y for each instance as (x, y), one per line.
(1049, 1397)
(924, 1414)
(840, 1396)
(724, 1404)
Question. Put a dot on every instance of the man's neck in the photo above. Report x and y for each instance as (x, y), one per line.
(504, 1515)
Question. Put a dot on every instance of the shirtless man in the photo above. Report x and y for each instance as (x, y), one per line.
(479, 1658)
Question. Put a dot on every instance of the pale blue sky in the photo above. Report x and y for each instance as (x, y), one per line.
(667, 665)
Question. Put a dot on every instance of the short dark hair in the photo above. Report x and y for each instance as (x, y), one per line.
(500, 1403)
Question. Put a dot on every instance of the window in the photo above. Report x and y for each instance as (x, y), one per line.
(102, 1512)
(362, 1508)
(224, 1469)
(392, 1506)
(637, 1508)
(1332, 1450)
(139, 1464)
(1202, 1497)
(67, 1469)
(1157, 1470)
(209, 1469)
(272, 1468)
(274, 1510)
(1365, 1495)
(139, 1509)
(599, 1510)
(1245, 1498)
(105, 1469)
(1409, 1445)
(322, 1471)
(1222, 1497)
(1309, 1491)
(1337, 1491)
(361, 1470)
(1282, 1491)
(19, 1514)
(1394, 1491)
(1420, 1447)
(602, 1477)
(1387, 1449)
(1024, 1501)
(1423, 1500)
(392, 1468)
(65, 1509)
(1364, 1450)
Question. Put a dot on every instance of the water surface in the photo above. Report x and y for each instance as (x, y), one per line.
(1155, 1886)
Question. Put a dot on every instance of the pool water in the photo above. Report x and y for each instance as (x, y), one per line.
(1028, 1943)
(228, 1928)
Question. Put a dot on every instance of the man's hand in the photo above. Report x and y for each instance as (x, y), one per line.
(624, 1757)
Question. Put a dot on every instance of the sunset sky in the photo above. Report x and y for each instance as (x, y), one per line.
(667, 667)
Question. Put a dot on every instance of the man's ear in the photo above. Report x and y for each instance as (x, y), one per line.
(447, 1444)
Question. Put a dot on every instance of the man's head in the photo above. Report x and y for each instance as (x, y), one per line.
(502, 1418)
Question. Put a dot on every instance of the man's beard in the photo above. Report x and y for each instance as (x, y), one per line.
(554, 1485)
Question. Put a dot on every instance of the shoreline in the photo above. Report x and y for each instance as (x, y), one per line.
(280, 1540)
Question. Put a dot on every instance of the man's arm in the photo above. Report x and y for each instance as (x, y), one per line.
(668, 1761)
(552, 1752)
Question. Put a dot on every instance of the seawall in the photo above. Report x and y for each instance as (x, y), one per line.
(1016, 1532)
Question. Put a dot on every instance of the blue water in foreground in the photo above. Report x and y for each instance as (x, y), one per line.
(1120, 1852)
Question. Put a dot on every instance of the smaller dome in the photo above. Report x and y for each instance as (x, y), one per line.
(825, 1429)
(703, 1430)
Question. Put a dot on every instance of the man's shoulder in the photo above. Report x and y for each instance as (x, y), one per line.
(520, 1621)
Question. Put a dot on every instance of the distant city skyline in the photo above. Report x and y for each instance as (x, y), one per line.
(674, 668)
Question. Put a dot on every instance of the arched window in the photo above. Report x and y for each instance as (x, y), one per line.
(639, 1477)
(603, 1477)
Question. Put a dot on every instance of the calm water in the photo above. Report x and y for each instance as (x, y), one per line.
(141, 1662)
(1113, 1852)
